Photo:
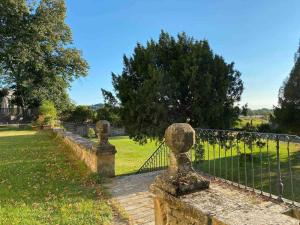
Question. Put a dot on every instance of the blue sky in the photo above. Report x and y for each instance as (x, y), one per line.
(261, 37)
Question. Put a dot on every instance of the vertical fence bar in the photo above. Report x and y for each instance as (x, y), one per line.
(159, 161)
(155, 160)
(208, 154)
(231, 158)
(214, 153)
(226, 172)
(238, 161)
(252, 164)
(245, 166)
(202, 158)
(164, 156)
(261, 171)
(279, 179)
(220, 164)
(290, 172)
(269, 168)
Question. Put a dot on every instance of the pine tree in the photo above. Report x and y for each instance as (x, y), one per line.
(176, 80)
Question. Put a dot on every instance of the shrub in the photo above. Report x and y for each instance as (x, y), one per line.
(47, 114)
(91, 133)
(81, 114)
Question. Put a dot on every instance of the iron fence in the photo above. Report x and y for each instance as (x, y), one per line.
(261, 162)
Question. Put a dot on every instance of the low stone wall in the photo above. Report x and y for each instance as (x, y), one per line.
(82, 129)
(102, 162)
(221, 204)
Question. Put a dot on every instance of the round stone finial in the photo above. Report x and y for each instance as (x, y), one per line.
(180, 137)
(103, 129)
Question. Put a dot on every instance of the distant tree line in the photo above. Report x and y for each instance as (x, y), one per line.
(258, 112)
(109, 110)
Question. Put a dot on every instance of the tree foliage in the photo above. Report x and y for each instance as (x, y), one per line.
(287, 113)
(175, 80)
(47, 113)
(111, 109)
(81, 114)
(37, 59)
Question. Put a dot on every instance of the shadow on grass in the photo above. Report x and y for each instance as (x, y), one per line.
(14, 128)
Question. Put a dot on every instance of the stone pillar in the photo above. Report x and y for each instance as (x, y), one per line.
(180, 178)
(105, 151)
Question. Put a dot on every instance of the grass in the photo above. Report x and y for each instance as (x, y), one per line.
(130, 155)
(219, 162)
(41, 184)
(242, 122)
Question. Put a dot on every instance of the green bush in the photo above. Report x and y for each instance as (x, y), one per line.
(81, 114)
(91, 133)
(47, 114)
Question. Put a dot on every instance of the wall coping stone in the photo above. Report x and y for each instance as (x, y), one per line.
(82, 142)
(223, 204)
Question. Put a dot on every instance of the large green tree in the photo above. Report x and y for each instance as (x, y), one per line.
(110, 110)
(176, 80)
(37, 59)
(287, 113)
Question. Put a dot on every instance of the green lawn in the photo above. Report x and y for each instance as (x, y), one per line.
(130, 155)
(255, 122)
(39, 184)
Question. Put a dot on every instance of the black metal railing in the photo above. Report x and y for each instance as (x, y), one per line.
(157, 161)
(262, 162)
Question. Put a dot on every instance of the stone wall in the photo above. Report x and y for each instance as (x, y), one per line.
(221, 204)
(97, 160)
(82, 129)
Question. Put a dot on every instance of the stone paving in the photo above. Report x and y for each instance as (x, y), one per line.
(132, 193)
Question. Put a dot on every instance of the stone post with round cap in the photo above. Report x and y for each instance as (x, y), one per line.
(180, 178)
(104, 150)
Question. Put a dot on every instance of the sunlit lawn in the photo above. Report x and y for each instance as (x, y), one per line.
(255, 122)
(130, 155)
(39, 184)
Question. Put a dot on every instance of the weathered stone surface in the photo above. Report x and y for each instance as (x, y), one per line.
(180, 178)
(105, 151)
(132, 194)
(98, 158)
(180, 137)
(182, 196)
(103, 129)
(221, 204)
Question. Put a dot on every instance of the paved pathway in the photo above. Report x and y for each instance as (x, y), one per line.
(132, 193)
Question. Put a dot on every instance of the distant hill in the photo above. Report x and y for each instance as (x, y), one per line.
(97, 106)
(260, 112)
